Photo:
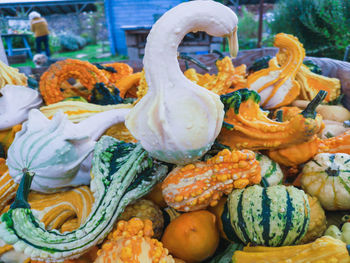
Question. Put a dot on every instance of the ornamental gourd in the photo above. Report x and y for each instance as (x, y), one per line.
(177, 121)
(271, 173)
(57, 150)
(78, 111)
(15, 104)
(58, 73)
(8, 187)
(272, 216)
(324, 249)
(122, 173)
(246, 126)
(198, 185)
(327, 176)
(276, 84)
(132, 242)
(227, 77)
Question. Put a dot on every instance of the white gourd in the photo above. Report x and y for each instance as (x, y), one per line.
(15, 103)
(177, 121)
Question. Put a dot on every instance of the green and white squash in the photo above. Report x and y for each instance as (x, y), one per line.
(327, 176)
(122, 173)
(271, 216)
(271, 173)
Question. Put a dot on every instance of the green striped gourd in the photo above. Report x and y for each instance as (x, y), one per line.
(271, 216)
(271, 173)
(327, 176)
(122, 173)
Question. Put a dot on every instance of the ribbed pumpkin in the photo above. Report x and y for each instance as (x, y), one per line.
(272, 216)
(327, 177)
(271, 173)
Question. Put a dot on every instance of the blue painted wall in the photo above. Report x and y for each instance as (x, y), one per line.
(131, 13)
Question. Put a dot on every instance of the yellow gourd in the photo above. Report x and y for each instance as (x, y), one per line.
(324, 250)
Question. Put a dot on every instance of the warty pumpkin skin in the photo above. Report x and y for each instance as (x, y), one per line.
(327, 176)
(131, 242)
(276, 85)
(323, 250)
(271, 216)
(198, 185)
(59, 72)
(246, 126)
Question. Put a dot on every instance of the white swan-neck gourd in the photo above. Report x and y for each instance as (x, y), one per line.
(177, 121)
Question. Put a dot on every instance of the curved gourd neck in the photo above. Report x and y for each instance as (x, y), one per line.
(160, 60)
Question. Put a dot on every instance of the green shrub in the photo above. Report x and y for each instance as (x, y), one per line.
(71, 42)
(323, 26)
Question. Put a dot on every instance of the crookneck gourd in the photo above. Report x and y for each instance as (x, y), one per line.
(15, 104)
(122, 173)
(271, 216)
(276, 84)
(324, 249)
(132, 242)
(86, 73)
(327, 176)
(177, 121)
(246, 126)
(57, 150)
(198, 185)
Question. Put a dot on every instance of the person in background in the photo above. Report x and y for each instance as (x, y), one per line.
(39, 26)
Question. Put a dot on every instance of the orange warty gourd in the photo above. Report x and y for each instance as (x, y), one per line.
(195, 186)
(131, 242)
(246, 126)
(192, 236)
(87, 74)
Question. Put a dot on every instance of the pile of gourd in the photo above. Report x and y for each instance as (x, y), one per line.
(165, 166)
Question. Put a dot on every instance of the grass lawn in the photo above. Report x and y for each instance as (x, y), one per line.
(90, 53)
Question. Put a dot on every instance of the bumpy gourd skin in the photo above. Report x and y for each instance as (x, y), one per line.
(131, 242)
(246, 126)
(198, 185)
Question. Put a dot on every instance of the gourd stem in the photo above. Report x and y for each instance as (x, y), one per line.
(310, 110)
(221, 55)
(21, 200)
(194, 61)
(348, 247)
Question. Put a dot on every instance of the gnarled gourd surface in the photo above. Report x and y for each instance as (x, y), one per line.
(276, 84)
(132, 242)
(122, 173)
(198, 185)
(177, 121)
